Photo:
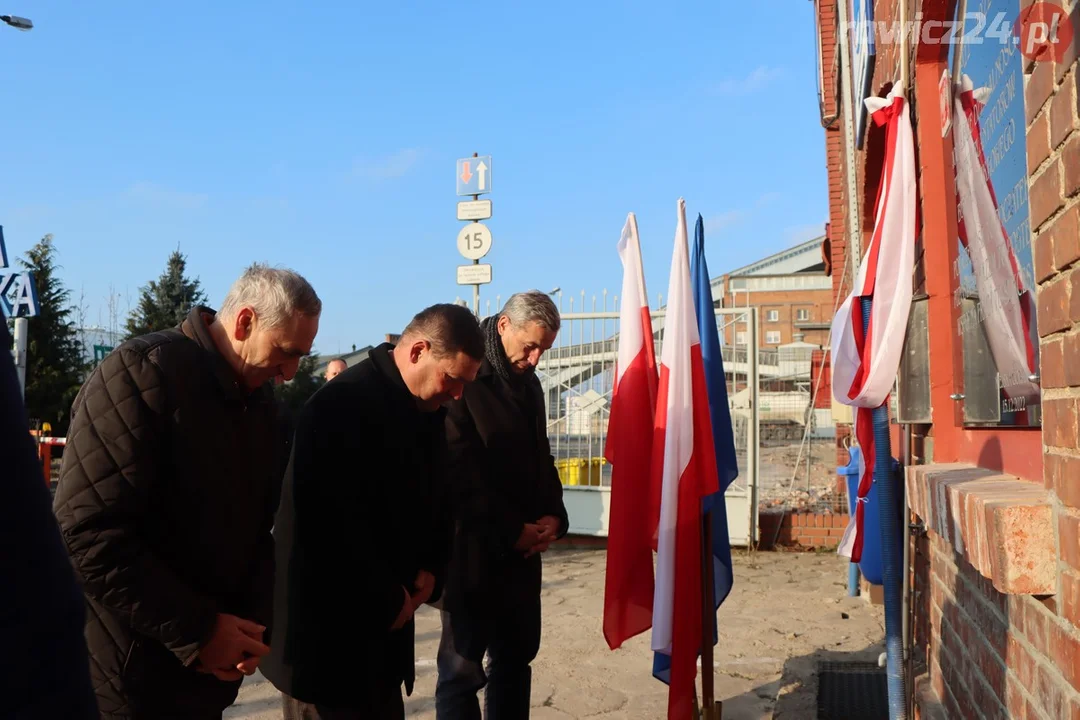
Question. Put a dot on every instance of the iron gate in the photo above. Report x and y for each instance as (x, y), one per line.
(577, 375)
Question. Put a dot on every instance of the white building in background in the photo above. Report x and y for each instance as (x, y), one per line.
(97, 342)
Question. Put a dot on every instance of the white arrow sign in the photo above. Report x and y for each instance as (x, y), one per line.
(481, 170)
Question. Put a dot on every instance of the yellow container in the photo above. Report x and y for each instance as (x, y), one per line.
(571, 471)
(596, 471)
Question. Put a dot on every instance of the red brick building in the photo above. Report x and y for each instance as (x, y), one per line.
(993, 475)
(791, 291)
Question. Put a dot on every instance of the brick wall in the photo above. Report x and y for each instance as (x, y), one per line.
(821, 378)
(993, 655)
(1051, 97)
(1001, 655)
(808, 530)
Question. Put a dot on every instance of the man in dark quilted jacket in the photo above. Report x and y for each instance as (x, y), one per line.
(166, 499)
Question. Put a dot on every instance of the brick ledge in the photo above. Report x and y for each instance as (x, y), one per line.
(1001, 525)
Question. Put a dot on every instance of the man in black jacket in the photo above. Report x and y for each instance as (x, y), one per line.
(363, 530)
(44, 668)
(509, 508)
(167, 495)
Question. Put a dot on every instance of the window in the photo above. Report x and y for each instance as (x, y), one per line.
(802, 314)
(740, 338)
(772, 337)
(772, 315)
(774, 283)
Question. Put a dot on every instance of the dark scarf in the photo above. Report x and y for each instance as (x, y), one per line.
(496, 354)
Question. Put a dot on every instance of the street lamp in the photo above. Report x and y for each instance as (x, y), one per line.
(19, 23)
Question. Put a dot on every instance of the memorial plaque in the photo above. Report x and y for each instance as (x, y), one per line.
(994, 275)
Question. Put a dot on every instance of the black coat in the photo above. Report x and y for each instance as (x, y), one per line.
(44, 667)
(503, 476)
(362, 512)
(165, 501)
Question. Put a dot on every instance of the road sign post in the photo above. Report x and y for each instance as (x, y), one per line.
(474, 240)
(18, 299)
(22, 341)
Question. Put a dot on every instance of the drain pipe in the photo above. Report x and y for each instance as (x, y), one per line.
(894, 559)
(906, 461)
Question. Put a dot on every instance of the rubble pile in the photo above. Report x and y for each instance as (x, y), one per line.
(798, 499)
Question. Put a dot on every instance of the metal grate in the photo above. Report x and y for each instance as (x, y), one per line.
(852, 691)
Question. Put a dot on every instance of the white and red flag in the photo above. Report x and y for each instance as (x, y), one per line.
(866, 355)
(629, 586)
(684, 467)
(1005, 303)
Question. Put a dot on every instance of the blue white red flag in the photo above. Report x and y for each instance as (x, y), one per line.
(865, 361)
(723, 435)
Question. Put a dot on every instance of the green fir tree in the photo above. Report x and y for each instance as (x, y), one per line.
(55, 363)
(165, 302)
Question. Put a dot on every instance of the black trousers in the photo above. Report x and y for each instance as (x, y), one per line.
(511, 643)
(389, 707)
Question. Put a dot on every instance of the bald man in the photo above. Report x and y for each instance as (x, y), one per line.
(334, 368)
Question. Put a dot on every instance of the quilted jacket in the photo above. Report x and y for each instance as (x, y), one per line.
(166, 500)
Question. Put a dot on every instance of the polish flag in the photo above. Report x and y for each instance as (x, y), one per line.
(628, 592)
(684, 465)
(866, 356)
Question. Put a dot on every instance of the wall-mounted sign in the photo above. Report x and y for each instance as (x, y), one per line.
(995, 271)
(18, 291)
(861, 37)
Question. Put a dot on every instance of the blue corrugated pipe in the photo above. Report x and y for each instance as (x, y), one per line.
(892, 556)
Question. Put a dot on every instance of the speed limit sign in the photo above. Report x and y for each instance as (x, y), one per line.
(474, 241)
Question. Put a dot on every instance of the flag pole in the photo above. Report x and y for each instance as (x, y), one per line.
(710, 708)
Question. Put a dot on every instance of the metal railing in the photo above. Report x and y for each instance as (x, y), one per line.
(578, 374)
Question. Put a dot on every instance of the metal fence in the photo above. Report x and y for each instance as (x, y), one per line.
(578, 375)
(798, 437)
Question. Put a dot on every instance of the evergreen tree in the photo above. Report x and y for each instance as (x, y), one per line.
(295, 393)
(55, 362)
(165, 303)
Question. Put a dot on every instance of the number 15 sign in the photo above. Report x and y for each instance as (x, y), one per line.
(474, 241)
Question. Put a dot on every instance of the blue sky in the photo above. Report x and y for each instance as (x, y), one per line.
(325, 139)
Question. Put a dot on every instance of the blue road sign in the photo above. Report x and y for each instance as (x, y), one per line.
(474, 175)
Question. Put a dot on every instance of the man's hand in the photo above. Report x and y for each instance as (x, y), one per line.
(233, 645)
(530, 535)
(407, 610)
(425, 585)
(549, 529)
(552, 523)
(249, 665)
(223, 675)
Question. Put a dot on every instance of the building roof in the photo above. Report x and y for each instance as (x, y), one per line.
(803, 257)
(351, 358)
